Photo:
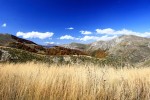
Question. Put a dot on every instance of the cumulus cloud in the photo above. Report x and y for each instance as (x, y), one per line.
(104, 35)
(86, 32)
(110, 31)
(86, 38)
(98, 38)
(70, 28)
(67, 37)
(4, 25)
(34, 34)
(105, 31)
(49, 42)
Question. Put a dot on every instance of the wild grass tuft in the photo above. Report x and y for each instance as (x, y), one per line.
(39, 81)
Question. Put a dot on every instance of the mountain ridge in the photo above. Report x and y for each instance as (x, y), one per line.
(12, 41)
(5, 38)
(133, 49)
(129, 48)
(107, 44)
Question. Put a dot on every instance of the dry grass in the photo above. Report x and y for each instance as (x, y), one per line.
(39, 81)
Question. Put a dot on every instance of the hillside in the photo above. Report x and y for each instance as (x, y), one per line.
(132, 49)
(123, 50)
(12, 41)
(14, 55)
(5, 39)
(17, 55)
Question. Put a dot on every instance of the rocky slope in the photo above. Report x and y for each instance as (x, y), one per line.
(133, 49)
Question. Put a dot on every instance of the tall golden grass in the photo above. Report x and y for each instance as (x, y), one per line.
(39, 81)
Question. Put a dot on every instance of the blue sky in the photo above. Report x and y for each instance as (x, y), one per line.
(65, 21)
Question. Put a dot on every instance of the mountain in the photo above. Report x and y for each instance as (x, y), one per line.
(77, 46)
(12, 41)
(15, 49)
(14, 55)
(126, 49)
(130, 48)
(119, 41)
(5, 39)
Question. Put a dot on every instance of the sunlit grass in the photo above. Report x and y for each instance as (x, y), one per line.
(39, 81)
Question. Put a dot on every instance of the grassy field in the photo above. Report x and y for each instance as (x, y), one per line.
(39, 81)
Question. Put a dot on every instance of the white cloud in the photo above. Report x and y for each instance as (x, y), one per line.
(105, 31)
(49, 42)
(34, 34)
(67, 37)
(86, 38)
(110, 31)
(70, 28)
(98, 38)
(86, 32)
(105, 35)
(4, 25)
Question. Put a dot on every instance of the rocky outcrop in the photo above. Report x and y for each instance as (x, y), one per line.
(5, 56)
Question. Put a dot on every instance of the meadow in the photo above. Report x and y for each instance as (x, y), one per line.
(41, 81)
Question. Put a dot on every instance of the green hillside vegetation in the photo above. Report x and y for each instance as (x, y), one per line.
(17, 55)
